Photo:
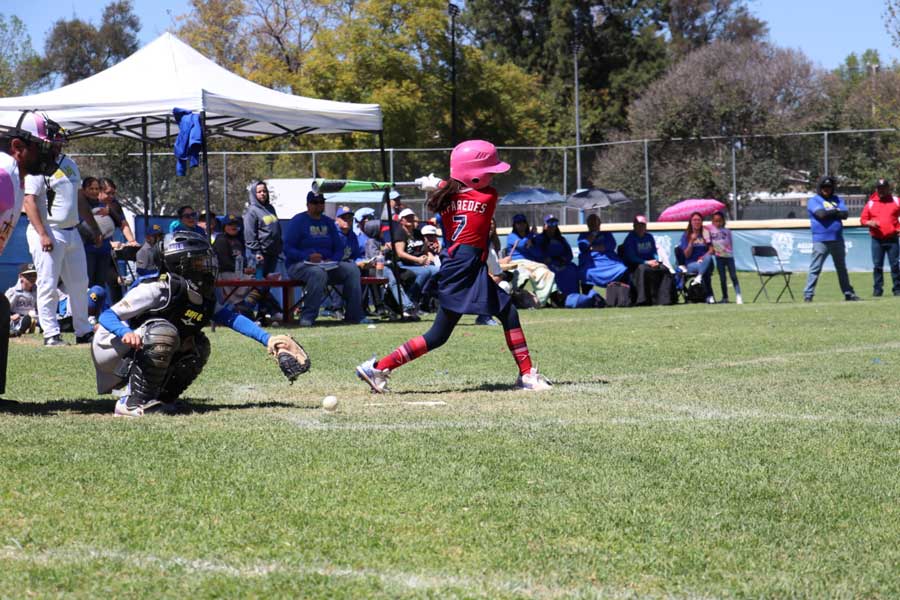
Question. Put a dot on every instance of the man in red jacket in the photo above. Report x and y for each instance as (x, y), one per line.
(881, 216)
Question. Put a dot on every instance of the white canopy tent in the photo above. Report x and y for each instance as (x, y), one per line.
(135, 98)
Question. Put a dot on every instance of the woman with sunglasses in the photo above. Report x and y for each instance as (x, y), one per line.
(186, 221)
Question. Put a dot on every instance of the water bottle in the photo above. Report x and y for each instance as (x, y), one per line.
(239, 266)
(379, 266)
(260, 272)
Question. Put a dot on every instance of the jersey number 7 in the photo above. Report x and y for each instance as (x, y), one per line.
(460, 220)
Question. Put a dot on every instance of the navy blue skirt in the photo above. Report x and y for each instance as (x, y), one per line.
(465, 286)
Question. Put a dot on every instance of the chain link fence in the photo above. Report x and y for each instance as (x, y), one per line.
(758, 177)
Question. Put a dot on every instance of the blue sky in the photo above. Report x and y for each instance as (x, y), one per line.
(826, 30)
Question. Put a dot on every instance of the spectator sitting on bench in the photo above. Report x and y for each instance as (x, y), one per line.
(651, 280)
(527, 258)
(696, 252)
(313, 250)
(186, 221)
(353, 252)
(432, 237)
(598, 262)
(361, 217)
(148, 259)
(23, 302)
(374, 247)
(412, 254)
(557, 255)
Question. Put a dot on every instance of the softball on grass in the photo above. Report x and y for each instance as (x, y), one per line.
(329, 403)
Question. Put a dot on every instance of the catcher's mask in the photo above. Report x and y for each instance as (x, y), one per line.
(189, 254)
(49, 137)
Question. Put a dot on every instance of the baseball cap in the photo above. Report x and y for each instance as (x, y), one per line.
(430, 230)
(155, 229)
(232, 220)
(406, 212)
(27, 270)
(96, 296)
(362, 213)
(519, 218)
(640, 219)
(343, 210)
(882, 183)
(314, 197)
(550, 218)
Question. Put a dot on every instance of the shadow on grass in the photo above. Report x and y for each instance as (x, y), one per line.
(94, 406)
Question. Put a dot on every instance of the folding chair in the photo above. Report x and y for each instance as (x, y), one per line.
(773, 268)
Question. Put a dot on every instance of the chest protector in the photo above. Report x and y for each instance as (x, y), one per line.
(185, 307)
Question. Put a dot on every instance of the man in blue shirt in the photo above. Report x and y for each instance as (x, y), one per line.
(826, 213)
(652, 281)
(314, 252)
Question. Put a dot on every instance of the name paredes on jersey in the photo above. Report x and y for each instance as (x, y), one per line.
(465, 205)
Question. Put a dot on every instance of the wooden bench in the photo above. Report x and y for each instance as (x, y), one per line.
(287, 286)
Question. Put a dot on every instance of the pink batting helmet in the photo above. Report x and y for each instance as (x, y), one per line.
(473, 161)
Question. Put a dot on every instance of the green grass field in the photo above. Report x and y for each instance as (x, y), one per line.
(686, 451)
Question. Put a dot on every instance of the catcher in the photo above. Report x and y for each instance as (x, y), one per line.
(149, 347)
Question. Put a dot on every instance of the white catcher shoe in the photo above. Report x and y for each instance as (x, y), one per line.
(123, 410)
(533, 381)
(377, 379)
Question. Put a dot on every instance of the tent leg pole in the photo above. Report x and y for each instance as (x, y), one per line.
(386, 210)
(224, 184)
(205, 172)
(145, 162)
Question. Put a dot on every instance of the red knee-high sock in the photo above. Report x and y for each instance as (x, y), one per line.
(515, 341)
(411, 350)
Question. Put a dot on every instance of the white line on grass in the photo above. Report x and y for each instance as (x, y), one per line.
(486, 586)
(787, 357)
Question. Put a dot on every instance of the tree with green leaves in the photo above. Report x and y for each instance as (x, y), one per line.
(19, 63)
(76, 49)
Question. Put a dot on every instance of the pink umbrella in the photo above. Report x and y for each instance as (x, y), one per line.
(682, 211)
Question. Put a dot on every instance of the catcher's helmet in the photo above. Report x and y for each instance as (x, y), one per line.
(189, 254)
(36, 127)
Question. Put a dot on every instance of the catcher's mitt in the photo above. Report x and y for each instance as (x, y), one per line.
(292, 358)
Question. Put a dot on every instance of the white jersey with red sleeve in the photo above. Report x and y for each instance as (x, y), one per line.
(11, 197)
(467, 219)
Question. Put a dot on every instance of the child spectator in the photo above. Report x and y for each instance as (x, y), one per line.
(23, 302)
(432, 237)
(558, 255)
(723, 250)
(149, 259)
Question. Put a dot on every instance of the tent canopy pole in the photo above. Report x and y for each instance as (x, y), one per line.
(146, 173)
(205, 173)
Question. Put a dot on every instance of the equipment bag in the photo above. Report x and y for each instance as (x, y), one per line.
(618, 294)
